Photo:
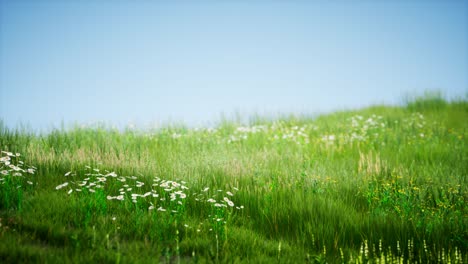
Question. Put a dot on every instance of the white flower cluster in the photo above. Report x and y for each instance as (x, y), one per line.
(295, 134)
(176, 133)
(416, 120)
(242, 132)
(278, 131)
(160, 195)
(94, 180)
(364, 128)
(225, 201)
(11, 165)
(328, 138)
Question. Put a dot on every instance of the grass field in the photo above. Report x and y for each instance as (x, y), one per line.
(380, 184)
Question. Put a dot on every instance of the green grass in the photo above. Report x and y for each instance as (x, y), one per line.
(380, 184)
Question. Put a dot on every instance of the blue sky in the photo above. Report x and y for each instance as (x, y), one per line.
(150, 62)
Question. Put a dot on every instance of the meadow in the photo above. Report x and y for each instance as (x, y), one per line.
(383, 184)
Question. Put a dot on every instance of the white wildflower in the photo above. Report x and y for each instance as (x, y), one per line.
(15, 168)
(61, 186)
(181, 194)
(229, 202)
(111, 174)
(139, 183)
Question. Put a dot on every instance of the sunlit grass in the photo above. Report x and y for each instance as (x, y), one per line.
(382, 184)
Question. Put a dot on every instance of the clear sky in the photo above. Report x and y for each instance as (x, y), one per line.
(191, 61)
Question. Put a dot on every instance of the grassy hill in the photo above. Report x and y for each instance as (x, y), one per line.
(382, 184)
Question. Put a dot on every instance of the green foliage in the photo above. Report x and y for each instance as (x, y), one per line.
(381, 184)
(11, 194)
(430, 101)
